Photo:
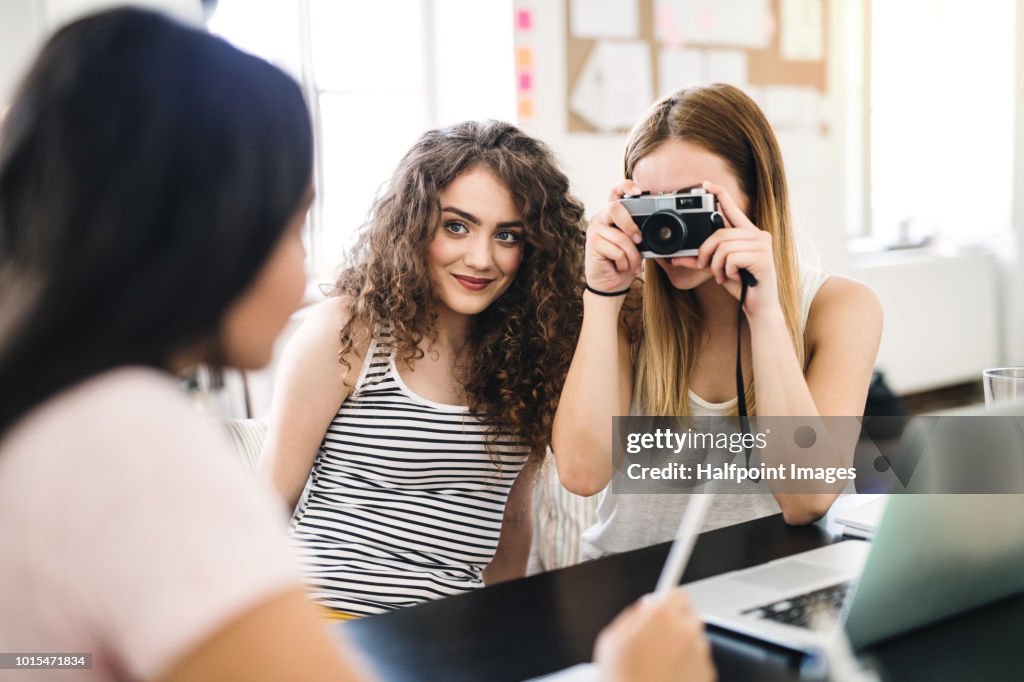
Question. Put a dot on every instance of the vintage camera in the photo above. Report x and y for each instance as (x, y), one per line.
(673, 224)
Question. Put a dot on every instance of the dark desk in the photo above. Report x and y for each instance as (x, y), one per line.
(550, 621)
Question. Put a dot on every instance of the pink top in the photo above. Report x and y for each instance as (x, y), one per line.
(128, 531)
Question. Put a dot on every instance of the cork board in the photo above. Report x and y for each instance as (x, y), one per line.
(765, 67)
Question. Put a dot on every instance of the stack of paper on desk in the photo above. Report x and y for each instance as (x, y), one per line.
(860, 518)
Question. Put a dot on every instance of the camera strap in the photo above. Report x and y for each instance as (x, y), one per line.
(741, 394)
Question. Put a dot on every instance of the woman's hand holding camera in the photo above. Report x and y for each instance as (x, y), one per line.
(740, 245)
(612, 258)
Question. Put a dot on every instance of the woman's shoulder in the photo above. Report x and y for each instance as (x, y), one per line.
(126, 452)
(124, 429)
(315, 358)
(126, 394)
(330, 314)
(321, 326)
(109, 411)
(841, 304)
(126, 432)
(837, 290)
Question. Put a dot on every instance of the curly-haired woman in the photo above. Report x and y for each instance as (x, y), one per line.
(414, 404)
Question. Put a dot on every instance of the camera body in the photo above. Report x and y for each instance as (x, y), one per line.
(673, 224)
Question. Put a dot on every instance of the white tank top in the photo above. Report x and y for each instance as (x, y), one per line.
(632, 520)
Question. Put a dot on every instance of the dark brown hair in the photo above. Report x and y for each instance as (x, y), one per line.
(147, 171)
(520, 346)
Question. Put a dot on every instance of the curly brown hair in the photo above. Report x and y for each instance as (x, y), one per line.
(520, 347)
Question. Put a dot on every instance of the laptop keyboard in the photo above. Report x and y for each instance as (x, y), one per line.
(813, 610)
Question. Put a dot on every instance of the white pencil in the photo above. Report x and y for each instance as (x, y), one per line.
(682, 546)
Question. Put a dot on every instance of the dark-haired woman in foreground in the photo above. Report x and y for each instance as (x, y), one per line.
(153, 184)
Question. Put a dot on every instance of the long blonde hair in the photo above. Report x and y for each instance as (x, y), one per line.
(726, 122)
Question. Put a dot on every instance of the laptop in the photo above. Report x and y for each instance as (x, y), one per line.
(932, 556)
(927, 562)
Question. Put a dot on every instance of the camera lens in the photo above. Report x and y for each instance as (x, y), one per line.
(664, 232)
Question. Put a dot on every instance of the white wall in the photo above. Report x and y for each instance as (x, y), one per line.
(24, 25)
(59, 12)
(593, 161)
(20, 27)
(826, 186)
(1014, 276)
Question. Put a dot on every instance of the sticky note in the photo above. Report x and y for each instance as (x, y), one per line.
(524, 20)
(524, 58)
(525, 81)
(525, 108)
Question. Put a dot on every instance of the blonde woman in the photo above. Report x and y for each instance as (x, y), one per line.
(808, 339)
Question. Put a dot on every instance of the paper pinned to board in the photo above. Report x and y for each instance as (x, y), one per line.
(791, 106)
(801, 36)
(666, 25)
(803, 151)
(737, 23)
(603, 18)
(680, 68)
(727, 66)
(683, 68)
(614, 87)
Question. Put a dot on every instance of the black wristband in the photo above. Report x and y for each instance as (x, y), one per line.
(607, 293)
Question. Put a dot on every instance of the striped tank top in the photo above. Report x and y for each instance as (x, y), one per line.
(404, 502)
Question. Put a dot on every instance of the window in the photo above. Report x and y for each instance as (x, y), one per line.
(941, 119)
(378, 74)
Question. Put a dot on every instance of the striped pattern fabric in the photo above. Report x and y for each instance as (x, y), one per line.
(404, 503)
(248, 436)
(559, 518)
